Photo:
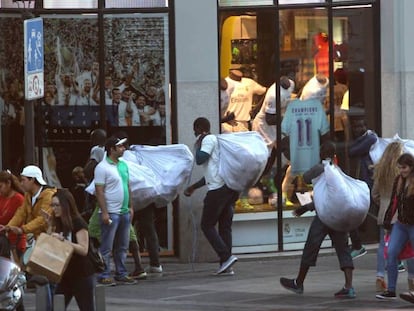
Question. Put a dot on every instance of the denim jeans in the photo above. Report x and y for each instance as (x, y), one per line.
(317, 233)
(115, 240)
(380, 254)
(146, 223)
(381, 261)
(400, 234)
(218, 208)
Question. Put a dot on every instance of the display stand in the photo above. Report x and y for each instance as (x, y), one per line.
(256, 232)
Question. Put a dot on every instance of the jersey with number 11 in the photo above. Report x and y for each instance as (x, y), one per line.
(304, 122)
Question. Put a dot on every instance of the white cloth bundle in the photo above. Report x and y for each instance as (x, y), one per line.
(171, 164)
(341, 201)
(243, 157)
(143, 182)
(377, 149)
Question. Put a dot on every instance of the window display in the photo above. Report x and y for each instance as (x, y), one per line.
(248, 50)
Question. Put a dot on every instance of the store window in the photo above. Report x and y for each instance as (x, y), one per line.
(244, 2)
(70, 4)
(136, 3)
(16, 4)
(137, 75)
(310, 60)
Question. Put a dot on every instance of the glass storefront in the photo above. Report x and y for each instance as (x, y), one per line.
(101, 70)
(307, 53)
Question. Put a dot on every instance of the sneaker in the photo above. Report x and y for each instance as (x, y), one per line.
(106, 282)
(345, 293)
(244, 204)
(408, 296)
(153, 269)
(290, 284)
(227, 272)
(356, 253)
(227, 264)
(387, 295)
(380, 285)
(125, 280)
(401, 267)
(138, 275)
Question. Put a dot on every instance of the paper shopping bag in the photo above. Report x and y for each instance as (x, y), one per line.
(50, 257)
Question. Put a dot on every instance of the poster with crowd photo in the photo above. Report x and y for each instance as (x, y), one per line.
(135, 72)
(135, 69)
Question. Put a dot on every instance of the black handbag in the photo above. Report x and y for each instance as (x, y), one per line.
(95, 257)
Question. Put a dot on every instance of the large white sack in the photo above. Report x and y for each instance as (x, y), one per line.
(171, 164)
(341, 201)
(243, 157)
(377, 149)
(143, 183)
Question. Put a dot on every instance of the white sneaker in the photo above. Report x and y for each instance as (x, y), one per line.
(227, 264)
(153, 269)
(227, 272)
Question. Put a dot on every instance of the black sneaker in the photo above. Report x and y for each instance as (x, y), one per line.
(408, 296)
(387, 295)
(290, 284)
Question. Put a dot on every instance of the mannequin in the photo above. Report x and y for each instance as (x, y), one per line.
(321, 45)
(265, 124)
(241, 99)
(305, 122)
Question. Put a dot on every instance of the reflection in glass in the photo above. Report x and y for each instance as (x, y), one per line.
(244, 2)
(70, 4)
(136, 3)
(16, 4)
(300, 1)
(135, 71)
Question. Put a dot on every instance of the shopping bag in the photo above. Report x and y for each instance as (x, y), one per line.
(341, 201)
(407, 251)
(50, 257)
(243, 157)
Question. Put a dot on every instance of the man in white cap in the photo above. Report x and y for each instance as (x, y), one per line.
(114, 201)
(38, 196)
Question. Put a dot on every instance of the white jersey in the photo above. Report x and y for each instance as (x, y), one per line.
(242, 97)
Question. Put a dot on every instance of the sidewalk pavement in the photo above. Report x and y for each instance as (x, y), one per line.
(255, 286)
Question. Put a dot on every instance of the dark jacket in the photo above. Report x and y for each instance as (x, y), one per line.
(405, 203)
(360, 149)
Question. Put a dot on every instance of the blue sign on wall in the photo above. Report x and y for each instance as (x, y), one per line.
(33, 58)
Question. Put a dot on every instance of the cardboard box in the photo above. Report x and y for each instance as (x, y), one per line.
(50, 257)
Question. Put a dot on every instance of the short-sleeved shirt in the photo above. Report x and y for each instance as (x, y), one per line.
(79, 266)
(241, 98)
(304, 122)
(115, 178)
(211, 167)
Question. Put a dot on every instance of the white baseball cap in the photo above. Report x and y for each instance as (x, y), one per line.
(34, 172)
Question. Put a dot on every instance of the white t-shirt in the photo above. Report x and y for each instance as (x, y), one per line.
(107, 174)
(211, 167)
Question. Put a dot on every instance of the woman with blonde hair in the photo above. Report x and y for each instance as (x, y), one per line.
(385, 172)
